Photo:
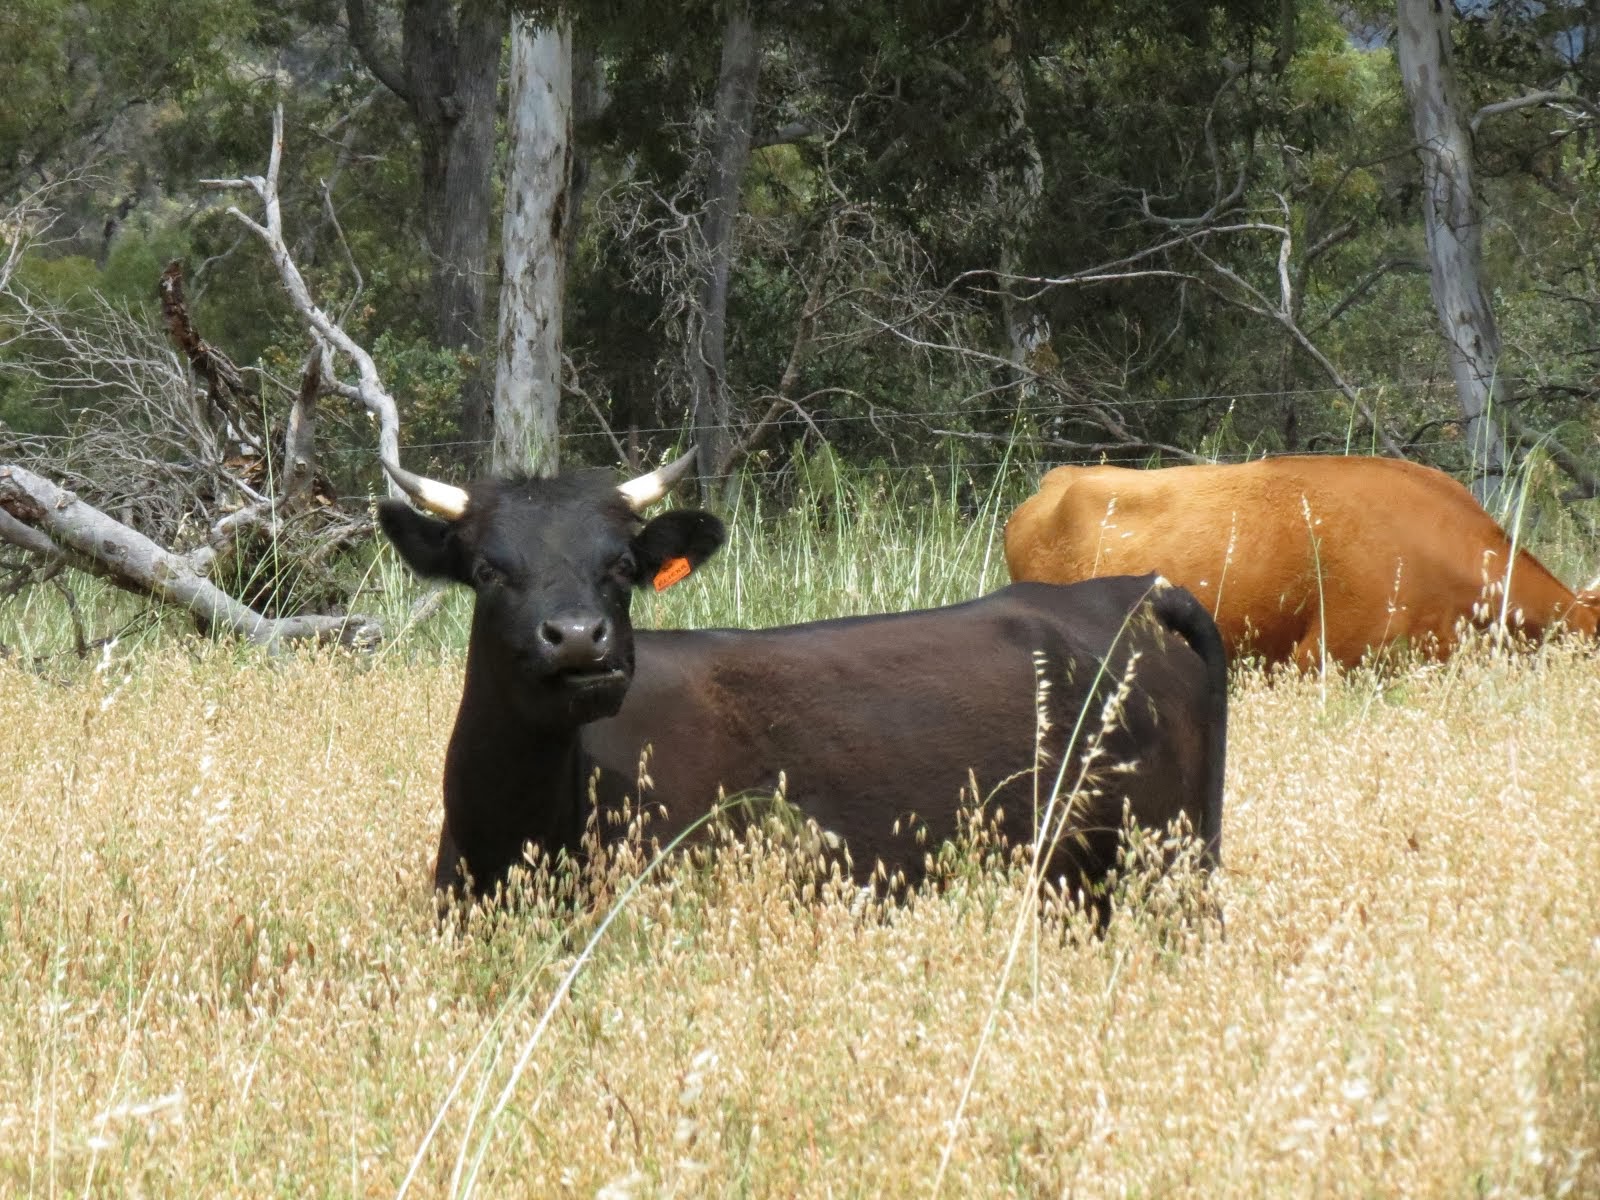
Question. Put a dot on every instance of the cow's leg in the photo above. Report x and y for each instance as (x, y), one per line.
(449, 885)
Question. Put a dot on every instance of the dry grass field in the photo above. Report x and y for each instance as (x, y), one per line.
(220, 972)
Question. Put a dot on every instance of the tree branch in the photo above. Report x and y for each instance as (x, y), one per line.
(1362, 288)
(28, 538)
(1334, 236)
(1588, 483)
(134, 562)
(1286, 319)
(798, 349)
(369, 389)
(300, 437)
(1531, 100)
(1220, 203)
(783, 135)
(570, 382)
(224, 383)
(384, 69)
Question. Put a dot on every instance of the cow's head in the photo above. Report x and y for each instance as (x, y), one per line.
(554, 563)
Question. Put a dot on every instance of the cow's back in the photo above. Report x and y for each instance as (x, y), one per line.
(878, 724)
(1369, 550)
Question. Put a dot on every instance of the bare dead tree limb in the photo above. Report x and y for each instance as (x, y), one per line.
(1097, 414)
(782, 400)
(105, 502)
(300, 435)
(1117, 270)
(1247, 296)
(306, 246)
(781, 404)
(1336, 236)
(140, 565)
(1075, 447)
(1314, 353)
(1356, 294)
(1221, 202)
(369, 389)
(573, 384)
(26, 537)
(1550, 97)
(225, 386)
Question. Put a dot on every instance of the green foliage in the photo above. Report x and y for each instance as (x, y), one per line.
(71, 278)
(71, 69)
(136, 261)
(1142, 113)
(426, 383)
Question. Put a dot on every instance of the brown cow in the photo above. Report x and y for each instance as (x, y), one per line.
(1375, 550)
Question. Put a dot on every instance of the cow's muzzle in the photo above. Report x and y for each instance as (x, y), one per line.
(576, 646)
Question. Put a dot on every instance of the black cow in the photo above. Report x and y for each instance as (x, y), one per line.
(875, 722)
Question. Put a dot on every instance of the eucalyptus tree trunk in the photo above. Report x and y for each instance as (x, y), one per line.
(447, 73)
(533, 247)
(733, 114)
(459, 194)
(1453, 226)
(1016, 184)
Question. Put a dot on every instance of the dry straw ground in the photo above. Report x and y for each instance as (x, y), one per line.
(219, 970)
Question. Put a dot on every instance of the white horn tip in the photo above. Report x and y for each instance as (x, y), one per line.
(646, 490)
(442, 499)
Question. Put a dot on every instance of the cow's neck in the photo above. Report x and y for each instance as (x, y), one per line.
(508, 781)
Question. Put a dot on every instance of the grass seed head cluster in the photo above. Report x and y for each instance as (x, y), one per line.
(221, 971)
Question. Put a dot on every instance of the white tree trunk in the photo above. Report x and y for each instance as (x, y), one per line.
(1453, 226)
(527, 392)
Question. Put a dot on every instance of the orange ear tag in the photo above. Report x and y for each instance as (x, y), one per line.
(671, 572)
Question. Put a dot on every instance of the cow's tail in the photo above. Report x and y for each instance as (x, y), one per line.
(1187, 617)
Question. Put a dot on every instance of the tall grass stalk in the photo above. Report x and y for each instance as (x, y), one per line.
(1400, 998)
(1322, 599)
(1049, 832)
(485, 1139)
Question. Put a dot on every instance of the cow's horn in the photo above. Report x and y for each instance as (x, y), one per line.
(442, 499)
(644, 491)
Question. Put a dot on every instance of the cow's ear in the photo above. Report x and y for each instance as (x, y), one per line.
(674, 544)
(424, 542)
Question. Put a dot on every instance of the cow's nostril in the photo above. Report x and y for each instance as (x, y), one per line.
(574, 641)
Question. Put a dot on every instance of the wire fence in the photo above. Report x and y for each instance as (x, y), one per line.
(1032, 448)
(975, 471)
(1027, 445)
(1045, 409)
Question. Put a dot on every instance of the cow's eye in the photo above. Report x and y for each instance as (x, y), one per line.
(625, 570)
(486, 574)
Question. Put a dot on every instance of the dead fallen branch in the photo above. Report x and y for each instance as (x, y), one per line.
(56, 524)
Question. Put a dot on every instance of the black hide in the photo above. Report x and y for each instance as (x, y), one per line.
(877, 723)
